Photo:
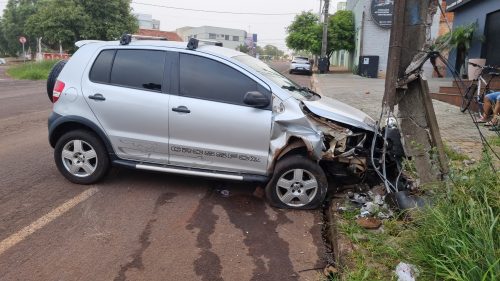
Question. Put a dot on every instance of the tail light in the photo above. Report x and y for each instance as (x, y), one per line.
(58, 89)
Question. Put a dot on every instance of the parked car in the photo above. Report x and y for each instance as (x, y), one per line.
(2, 61)
(202, 111)
(301, 65)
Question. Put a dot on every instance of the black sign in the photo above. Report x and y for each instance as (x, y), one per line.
(382, 11)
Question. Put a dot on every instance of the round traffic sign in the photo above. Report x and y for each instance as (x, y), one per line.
(22, 39)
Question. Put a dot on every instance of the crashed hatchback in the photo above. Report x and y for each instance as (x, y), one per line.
(209, 111)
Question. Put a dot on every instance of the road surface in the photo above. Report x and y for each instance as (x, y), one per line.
(135, 225)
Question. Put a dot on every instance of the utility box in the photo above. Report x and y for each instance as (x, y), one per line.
(368, 66)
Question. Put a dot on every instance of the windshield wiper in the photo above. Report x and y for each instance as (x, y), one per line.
(302, 89)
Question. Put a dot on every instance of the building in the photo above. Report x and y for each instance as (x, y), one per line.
(341, 6)
(373, 22)
(230, 38)
(146, 21)
(486, 13)
(169, 35)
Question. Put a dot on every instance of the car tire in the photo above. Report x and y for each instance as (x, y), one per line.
(51, 80)
(81, 157)
(297, 183)
(291, 71)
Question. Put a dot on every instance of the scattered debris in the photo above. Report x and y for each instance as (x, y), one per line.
(369, 223)
(330, 270)
(224, 193)
(259, 192)
(406, 272)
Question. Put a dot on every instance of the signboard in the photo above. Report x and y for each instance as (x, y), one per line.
(453, 4)
(22, 39)
(382, 11)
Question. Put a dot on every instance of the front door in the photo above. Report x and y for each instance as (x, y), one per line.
(209, 125)
(128, 94)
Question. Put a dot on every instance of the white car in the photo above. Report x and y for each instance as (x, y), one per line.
(2, 61)
(301, 65)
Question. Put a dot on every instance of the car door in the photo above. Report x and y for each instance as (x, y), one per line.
(128, 93)
(209, 125)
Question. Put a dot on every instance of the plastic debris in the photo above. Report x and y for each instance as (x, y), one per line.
(224, 193)
(406, 272)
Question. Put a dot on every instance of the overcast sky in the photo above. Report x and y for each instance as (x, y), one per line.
(270, 29)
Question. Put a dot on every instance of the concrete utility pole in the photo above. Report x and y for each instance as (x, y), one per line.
(324, 40)
(419, 128)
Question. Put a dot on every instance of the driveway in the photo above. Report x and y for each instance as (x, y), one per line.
(134, 225)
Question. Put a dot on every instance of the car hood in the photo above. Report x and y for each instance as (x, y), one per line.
(340, 112)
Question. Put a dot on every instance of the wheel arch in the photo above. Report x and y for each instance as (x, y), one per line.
(65, 124)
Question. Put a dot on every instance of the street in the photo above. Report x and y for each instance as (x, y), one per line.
(135, 225)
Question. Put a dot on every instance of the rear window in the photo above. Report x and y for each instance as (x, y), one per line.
(102, 67)
(142, 69)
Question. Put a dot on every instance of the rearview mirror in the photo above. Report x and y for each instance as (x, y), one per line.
(256, 99)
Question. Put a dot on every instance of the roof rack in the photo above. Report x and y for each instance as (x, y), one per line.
(127, 38)
(193, 43)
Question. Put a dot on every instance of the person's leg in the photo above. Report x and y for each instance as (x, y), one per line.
(486, 108)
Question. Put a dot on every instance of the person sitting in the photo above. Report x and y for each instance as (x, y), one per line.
(490, 100)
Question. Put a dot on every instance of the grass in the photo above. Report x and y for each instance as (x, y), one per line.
(456, 238)
(31, 70)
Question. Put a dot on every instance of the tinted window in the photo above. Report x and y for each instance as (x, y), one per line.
(102, 67)
(141, 69)
(208, 79)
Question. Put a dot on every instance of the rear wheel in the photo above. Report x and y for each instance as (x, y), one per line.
(291, 71)
(81, 157)
(467, 98)
(51, 80)
(297, 183)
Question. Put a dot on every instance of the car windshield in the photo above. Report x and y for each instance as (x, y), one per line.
(296, 91)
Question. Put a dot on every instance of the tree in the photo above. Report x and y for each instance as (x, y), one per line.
(58, 21)
(13, 23)
(304, 34)
(243, 48)
(341, 31)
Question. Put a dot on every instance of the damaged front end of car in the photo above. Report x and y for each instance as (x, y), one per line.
(347, 143)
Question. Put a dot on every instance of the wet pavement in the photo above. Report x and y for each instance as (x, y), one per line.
(135, 225)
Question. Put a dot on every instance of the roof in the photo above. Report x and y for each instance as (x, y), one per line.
(171, 36)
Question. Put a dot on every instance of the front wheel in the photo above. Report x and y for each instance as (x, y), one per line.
(81, 157)
(297, 183)
(467, 98)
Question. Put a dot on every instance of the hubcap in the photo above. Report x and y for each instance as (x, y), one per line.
(297, 187)
(79, 158)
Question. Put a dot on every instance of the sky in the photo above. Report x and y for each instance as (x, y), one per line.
(270, 29)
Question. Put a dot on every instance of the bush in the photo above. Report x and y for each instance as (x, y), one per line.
(458, 238)
(32, 70)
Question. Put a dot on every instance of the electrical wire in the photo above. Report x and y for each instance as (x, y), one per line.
(213, 11)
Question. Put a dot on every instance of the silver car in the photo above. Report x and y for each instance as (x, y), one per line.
(202, 111)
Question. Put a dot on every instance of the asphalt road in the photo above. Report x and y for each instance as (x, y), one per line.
(135, 225)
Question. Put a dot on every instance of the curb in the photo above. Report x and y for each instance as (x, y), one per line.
(341, 244)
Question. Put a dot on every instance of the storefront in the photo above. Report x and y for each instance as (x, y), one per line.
(486, 13)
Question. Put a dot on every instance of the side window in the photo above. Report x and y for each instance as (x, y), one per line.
(102, 67)
(211, 80)
(142, 69)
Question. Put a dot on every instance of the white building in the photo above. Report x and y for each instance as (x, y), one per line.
(230, 38)
(146, 21)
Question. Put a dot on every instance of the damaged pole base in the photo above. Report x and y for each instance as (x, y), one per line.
(403, 200)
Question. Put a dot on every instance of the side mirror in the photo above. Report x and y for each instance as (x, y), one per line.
(256, 99)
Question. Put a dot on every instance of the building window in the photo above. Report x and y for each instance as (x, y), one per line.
(226, 37)
(236, 38)
(212, 36)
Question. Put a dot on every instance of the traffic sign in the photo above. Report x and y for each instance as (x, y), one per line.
(22, 39)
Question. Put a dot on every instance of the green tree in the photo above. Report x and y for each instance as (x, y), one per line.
(304, 34)
(341, 31)
(108, 19)
(243, 48)
(13, 22)
(58, 21)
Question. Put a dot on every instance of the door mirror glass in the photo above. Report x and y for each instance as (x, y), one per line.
(256, 99)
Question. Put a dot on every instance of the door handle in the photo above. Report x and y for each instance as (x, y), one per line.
(97, 97)
(181, 109)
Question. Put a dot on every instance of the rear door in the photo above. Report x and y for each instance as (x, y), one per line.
(128, 91)
(209, 125)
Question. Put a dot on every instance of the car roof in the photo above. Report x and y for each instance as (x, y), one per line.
(210, 49)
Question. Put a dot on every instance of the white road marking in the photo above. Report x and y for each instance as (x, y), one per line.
(41, 222)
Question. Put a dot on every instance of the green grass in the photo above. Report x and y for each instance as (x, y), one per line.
(31, 70)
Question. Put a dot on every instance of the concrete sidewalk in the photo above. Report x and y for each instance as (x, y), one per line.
(456, 128)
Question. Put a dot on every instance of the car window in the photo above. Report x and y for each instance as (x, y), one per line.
(204, 78)
(102, 67)
(142, 69)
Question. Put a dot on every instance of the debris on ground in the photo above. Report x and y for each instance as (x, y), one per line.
(369, 223)
(406, 272)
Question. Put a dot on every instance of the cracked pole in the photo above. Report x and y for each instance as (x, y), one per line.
(418, 125)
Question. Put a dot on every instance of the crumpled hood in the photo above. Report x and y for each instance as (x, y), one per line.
(340, 112)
